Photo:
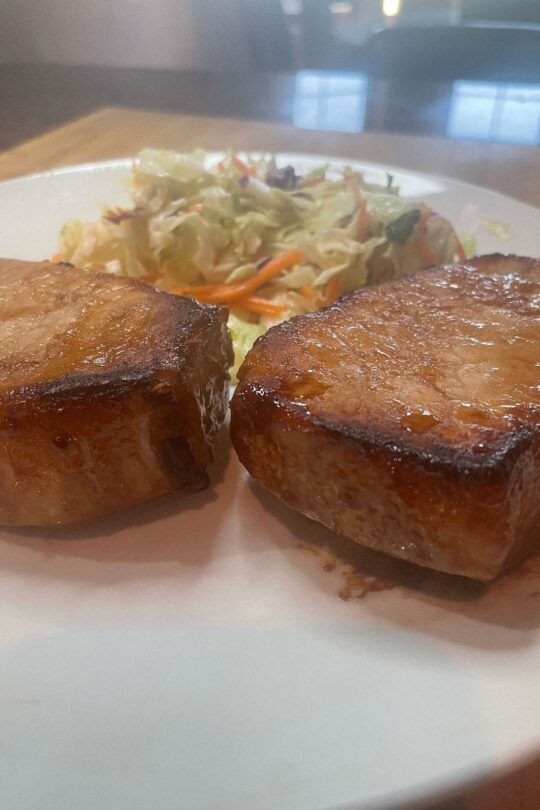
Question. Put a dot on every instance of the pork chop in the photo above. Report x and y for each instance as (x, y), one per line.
(407, 416)
(110, 392)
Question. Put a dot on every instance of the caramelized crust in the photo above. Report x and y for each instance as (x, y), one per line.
(407, 416)
(110, 392)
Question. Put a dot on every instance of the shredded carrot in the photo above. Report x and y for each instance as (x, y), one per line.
(194, 207)
(57, 258)
(227, 293)
(242, 167)
(259, 305)
(422, 244)
(425, 251)
(307, 292)
(118, 215)
(332, 291)
(363, 223)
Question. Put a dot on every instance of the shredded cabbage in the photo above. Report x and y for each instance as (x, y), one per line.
(243, 336)
(193, 228)
(496, 227)
(468, 240)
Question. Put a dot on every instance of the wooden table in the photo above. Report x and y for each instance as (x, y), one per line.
(36, 97)
(111, 133)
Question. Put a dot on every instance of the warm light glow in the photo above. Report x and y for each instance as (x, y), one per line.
(391, 8)
(341, 8)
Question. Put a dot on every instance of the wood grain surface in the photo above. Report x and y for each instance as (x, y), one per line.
(512, 170)
(113, 132)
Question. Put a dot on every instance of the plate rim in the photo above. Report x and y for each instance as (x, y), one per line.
(448, 788)
(464, 778)
(116, 163)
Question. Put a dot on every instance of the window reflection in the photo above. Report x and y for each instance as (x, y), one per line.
(333, 101)
(495, 112)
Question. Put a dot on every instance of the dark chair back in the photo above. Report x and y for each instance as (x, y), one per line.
(488, 52)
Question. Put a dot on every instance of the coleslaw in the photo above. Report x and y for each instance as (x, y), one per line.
(258, 237)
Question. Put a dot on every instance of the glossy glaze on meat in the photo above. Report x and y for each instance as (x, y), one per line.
(407, 416)
(110, 392)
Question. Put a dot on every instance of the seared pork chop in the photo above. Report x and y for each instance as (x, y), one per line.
(110, 392)
(407, 416)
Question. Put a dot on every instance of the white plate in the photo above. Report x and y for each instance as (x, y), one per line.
(188, 654)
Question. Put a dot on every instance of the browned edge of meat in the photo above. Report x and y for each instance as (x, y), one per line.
(407, 416)
(111, 392)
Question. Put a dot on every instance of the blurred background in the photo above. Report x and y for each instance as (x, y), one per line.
(453, 68)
